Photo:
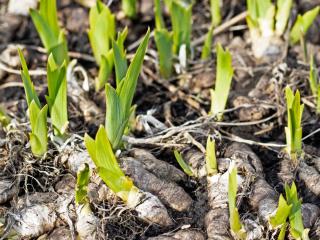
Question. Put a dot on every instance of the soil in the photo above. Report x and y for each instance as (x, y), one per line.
(255, 115)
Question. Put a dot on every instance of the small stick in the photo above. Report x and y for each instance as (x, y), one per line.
(221, 28)
(37, 72)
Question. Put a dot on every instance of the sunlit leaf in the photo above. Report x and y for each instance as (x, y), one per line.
(181, 13)
(38, 116)
(57, 97)
(119, 100)
(101, 152)
(224, 73)
(294, 129)
(129, 8)
(215, 12)
(281, 214)
(206, 49)
(163, 41)
(234, 217)
(185, 167)
(52, 36)
(302, 24)
(83, 178)
(297, 229)
(282, 16)
(102, 30)
(211, 160)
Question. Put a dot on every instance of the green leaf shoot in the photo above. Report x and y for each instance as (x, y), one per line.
(234, 217)
(164, 45)
(105, 70)
(314, 83)
(102, 29)
(38, 116)
(282, 213)
(119, 55)
(101, 153)
(215, 12)
(294, 130)
(52, 36)
(57, 96)
(4, 118)
(158, 15)
(119, 100)
(260, 17)
(129, 8)
(181, 13)
(206, 49)
(297, 229)
(83, 179)
(101, 34)
(39, 130)
(302, 24)
(211, 160)
(267, 23)
(282, 15)
(224, 73)
(282, 233)
(185, 167)
(31, 94)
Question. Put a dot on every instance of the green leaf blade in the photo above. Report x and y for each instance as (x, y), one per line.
(129, 8)
(27, 83)
(224, 74)
(102, 30)
(282, 16)
(39, 134)
(100, 151)
(127, 90)
(215, 12)
(120, 61)
(206, 50)
(164, 45)
(186, 168)
(302, 24)
(282, 213)
(114, 116)
(57, 99)
(83, 179)
(211, 160)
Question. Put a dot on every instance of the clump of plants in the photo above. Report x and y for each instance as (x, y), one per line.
(224, 73)
(119, 101)
(37, 114)
(289, 209)
(294, 129)
(147, 206)
(176, 42)
(300, 28)
(52, 36)
(267, 23)
(302, 24)
(101, 33)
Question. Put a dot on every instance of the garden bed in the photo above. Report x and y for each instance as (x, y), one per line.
(37, 194)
